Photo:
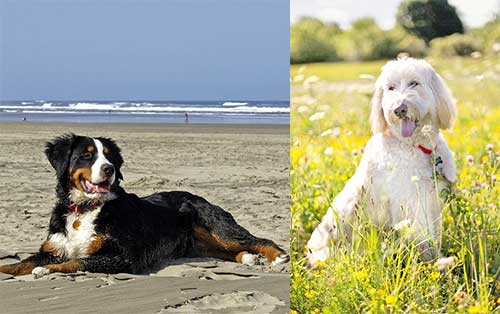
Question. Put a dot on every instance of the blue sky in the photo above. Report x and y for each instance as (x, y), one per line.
(144, 50)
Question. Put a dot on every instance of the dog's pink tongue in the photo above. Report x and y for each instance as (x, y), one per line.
(102, 189)
(407, 127)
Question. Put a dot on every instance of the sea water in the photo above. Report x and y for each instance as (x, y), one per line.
(197, 112)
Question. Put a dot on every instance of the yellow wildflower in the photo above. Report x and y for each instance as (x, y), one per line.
(435, 275)
(390, 299)
(477, 309)
(309, 294)
(361, 275)
(380, 292)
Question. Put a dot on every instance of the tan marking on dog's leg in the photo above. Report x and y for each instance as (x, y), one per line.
(96, 244)
(215, 245)
(71, 266)
(212, 246)
(270, 252)
(50, 248)
(17, 269)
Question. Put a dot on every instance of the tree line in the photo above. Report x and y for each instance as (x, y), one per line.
(423, 27)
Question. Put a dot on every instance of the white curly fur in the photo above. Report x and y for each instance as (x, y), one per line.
(394, 175)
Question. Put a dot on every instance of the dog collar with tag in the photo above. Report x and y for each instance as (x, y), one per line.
(79, 209)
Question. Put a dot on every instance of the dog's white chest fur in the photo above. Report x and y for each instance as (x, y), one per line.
(80, 231)
(399, 183)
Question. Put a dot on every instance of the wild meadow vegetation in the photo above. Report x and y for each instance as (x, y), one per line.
(378, 271)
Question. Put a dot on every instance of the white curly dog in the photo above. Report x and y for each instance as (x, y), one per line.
(406, 163)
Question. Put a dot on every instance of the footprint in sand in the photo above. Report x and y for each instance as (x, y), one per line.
(244, 302)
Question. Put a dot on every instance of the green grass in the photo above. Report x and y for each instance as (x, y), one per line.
(339, 71)
(378, 272)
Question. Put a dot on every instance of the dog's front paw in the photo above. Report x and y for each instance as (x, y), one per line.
(39, 272)
(315, 256)
(317, 246)
(282, 259)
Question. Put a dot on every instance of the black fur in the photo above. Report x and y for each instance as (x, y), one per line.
(140, 232)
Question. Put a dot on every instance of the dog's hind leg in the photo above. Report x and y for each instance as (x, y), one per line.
(217, 234)
(236, 245)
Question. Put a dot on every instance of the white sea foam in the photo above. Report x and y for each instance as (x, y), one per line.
(85, 107)
(234, 104)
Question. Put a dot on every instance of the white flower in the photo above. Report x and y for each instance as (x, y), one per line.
(470, 159)
(327, 132)
(367, 77)
(298, 78)
(302, 109)
(476, 54)
(317, 116)
(402, 224)
(311, 80)
(336, 132)
(415, 179)
(328, 151)
(489, 147)
(305, 99)
(444, 263)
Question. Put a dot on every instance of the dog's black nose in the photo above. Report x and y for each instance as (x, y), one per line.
(401, 111)
(108, 169)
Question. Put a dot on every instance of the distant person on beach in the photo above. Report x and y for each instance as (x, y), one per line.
(24, 119)
(186, 118)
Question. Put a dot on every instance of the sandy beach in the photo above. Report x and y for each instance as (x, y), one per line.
(242, 168)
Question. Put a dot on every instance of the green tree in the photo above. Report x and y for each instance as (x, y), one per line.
(429, 19)
(312, 41)
(367, 41)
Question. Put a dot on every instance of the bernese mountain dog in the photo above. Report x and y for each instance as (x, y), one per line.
(98, 227)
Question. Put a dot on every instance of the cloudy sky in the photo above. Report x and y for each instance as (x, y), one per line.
(474, 13)
(144, 50)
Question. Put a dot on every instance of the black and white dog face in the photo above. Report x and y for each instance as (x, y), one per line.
(88, 169)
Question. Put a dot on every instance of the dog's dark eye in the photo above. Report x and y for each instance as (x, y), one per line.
(413, 84)
(86, 156)
(391, 88)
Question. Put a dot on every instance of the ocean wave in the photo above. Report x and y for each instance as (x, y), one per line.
(234, 104)
(133, 107)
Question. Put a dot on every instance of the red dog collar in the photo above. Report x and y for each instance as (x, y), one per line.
(78, 209)
(425, 150)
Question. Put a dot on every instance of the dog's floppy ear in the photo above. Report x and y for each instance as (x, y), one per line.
(115, 155)
(58, 152)
(445, 104)
(377, 119)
